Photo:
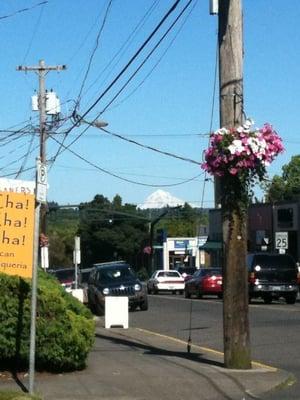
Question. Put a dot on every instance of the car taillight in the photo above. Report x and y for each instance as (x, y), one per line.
(252, 278)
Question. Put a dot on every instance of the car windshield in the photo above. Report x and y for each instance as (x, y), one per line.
(187, 270)
(168, 274)
(279, 261)
(108, 275)
(213, 271)
(64, 275)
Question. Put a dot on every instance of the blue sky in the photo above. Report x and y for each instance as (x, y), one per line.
(167, 105)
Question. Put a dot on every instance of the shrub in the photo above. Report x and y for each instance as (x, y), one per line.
(64, 327)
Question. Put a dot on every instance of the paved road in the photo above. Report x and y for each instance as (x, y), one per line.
(274, 330)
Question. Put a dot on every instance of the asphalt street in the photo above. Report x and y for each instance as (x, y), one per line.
(274, 330)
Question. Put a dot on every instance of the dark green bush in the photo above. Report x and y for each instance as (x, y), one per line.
(64, 327)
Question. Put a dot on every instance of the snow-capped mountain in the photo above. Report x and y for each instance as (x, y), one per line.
(160, 199)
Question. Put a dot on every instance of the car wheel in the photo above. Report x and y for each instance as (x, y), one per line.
(267, 299)
(199, 294)
(91, 305)
(174, 292)
(132, 307)
(99, 310)
(144, 305)
(291, 298)
(181, 291)
(220, 295)
(187, 294)
(149, 290)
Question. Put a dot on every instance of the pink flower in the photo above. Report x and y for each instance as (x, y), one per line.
(240, 149)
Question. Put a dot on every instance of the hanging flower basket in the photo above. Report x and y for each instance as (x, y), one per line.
(242, 151)
(240, 157)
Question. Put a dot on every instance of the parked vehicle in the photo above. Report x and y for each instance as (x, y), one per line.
(205, 281)
(115, 279)
(162, 280)
(66, 276)
(186, 272)
(272, 276)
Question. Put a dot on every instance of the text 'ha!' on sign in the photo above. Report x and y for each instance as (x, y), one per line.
(17, 202)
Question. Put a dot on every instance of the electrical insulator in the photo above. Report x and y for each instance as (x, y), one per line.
(35, 102)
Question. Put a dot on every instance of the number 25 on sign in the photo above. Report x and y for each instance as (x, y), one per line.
(281, 240)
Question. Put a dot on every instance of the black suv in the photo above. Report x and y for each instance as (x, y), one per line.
(271, 276)
(115, 279)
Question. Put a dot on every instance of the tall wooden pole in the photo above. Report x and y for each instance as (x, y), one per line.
(234, 214)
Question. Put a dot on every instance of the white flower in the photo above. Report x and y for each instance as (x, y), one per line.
(222, 131)
(253, 144)
(236, 147)
(248, 123)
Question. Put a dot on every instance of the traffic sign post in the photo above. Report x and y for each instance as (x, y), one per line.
(41, 182)
(281, 241)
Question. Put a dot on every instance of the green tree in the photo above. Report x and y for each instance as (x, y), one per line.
(62, 227)
(184, 222)
(111, 230)
(287, 186)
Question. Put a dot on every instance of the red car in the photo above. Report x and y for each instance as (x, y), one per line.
(205, 281)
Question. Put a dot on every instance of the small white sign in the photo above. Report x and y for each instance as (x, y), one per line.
(42, 173)
(281, 240)
(41, 193)
(116, 312)
(76, 257)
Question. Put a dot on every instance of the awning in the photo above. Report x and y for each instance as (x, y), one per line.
(212, 245)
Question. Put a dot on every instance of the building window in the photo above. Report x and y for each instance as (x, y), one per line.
(285, 217)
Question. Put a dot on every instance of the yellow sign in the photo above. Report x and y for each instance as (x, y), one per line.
(16, 233)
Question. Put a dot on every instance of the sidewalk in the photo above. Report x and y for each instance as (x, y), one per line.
(134, 364)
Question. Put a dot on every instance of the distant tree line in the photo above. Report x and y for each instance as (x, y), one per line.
(111, 230)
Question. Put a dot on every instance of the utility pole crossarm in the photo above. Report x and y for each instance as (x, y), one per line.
(41, 67)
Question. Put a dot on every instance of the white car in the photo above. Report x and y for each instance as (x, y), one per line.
(162, 280)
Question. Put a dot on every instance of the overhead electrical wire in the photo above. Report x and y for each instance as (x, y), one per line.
(166, 153)
(19, 159)
(126, 173)
(158, 26)
(119, 177)
(157, 62)
(143, 62)
(93, 52)
(125, 45)
(23, 10)
(14, 173)
(22, 167)
(212, 113)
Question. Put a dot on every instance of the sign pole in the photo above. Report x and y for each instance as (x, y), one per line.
(33, 298)
(77, 259)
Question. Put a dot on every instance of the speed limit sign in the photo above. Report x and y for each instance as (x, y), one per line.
(281, 240)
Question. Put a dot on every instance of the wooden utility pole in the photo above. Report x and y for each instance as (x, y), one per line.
(40, 209)
(234, 216)
(42, 69)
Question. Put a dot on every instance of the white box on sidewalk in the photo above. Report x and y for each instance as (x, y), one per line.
(116, 312)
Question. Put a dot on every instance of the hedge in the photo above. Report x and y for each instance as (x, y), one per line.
(65, 329)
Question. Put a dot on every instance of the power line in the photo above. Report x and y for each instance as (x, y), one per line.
(117, 176)
(23, 10)
(158, 26)
(166, 153)
(93, 52)
(156, 64)
(145, 59)
(125, 44)
(26, 157)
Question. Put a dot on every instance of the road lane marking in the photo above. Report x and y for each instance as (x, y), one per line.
(257, 364)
